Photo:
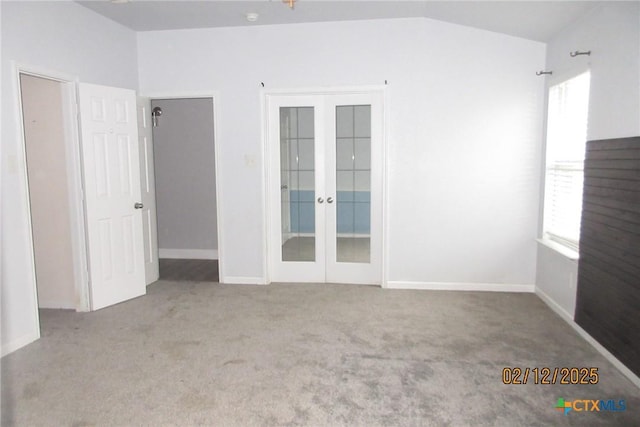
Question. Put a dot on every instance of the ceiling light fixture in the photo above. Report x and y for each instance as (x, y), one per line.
(291, 3)
(252, 16)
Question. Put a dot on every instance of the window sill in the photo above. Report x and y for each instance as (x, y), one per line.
(561, 249)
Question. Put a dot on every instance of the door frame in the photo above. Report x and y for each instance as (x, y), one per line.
(269, 246)
(74, 180)
(215, 97)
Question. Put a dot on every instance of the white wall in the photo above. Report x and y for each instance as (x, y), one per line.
(185, 175)
(464, 133)
(68, 38)
(44, 130)
(612, 33)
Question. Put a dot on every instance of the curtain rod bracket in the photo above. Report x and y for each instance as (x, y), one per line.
(577, 52)
(542, 72)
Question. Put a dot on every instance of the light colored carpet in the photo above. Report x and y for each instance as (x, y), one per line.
(321, 355)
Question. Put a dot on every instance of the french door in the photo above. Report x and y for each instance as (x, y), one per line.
(325, 178)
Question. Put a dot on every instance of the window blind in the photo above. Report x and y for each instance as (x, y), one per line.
(566, 143)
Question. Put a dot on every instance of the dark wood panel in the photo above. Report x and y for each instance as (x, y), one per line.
(608, 295)
(618, 331)
(621, 321)
(626, 174)
(631, 153)
(614, 164)
(613, 144)
(603, 209)
(612, 281)
(616, 287)
(595, 193)
(615, 203)
(606, 259)
(612, 183)
(612, 222)
(622, 347)
(620, 239)
(605, 238)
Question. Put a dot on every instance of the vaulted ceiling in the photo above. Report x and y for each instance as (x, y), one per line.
(535, 20)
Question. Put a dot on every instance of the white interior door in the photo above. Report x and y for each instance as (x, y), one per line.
(354, 181)
(326, 182)
(297, 176)
(148, 189)
(111, 172)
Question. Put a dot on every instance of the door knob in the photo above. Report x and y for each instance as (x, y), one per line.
(320, 200)
(329, 199)
(138, 205)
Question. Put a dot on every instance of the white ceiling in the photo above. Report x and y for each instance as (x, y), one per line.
(535, 20)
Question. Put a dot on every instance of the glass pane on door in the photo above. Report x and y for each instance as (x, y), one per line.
(297, 184)
(353, 183)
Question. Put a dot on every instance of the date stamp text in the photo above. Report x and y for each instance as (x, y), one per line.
(545, 375)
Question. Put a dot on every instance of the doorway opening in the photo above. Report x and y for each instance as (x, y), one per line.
(325, 180)
(185, 183)
(53, 180)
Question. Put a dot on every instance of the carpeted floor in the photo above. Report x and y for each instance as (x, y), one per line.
(193, 353)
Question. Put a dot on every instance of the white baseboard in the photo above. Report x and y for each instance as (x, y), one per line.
(58, 305)
(188, 253)
(566, 316)
(19, 343)
(452, 286)
(584, 334)
(237, 280)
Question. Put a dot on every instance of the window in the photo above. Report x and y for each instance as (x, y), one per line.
(566, 144)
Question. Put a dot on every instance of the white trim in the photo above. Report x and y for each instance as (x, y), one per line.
(386, 210)
(584, 334)
(328, 90)
(457, 286)
(561, 249)
(188, 253)
(76, 201)
(219, 187)
(238, 280)
(265, 195)
(26, 339)
(17, 344)
(44, 73)
(267, 219)
(74, 176)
